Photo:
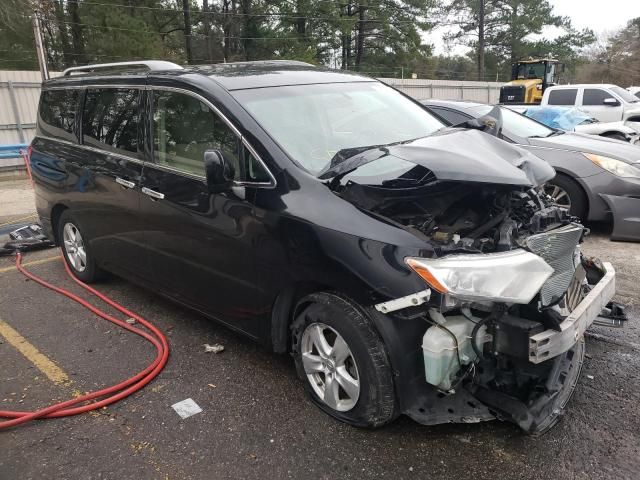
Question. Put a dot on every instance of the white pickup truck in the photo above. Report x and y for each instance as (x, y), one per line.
(607, 103)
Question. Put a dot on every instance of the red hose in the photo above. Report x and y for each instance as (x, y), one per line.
(115, 392)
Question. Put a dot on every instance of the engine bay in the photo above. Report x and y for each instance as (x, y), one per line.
(458, 216)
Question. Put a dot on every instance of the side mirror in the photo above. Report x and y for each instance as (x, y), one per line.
(219, 170)
(611, 102)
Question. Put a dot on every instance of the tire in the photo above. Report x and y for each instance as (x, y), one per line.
(343, 324)
(73, 242)
(563, 188)
(615, 136)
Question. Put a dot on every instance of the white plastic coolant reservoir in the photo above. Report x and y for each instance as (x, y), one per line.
(439, 350)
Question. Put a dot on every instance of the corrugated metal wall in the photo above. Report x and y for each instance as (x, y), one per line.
(483, 92)
(19, 94)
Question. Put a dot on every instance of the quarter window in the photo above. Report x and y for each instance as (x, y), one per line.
(110, 119)
(57, 117)
(563, 96)
(453, 118)
(594, 96)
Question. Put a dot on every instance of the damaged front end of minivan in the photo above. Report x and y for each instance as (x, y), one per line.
(507, 293)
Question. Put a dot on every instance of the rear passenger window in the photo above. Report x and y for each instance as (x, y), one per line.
(563, 96)
(57, 117)
(594, 96)
(110, 120)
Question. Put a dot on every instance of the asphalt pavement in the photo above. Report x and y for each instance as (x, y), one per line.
(256, 421)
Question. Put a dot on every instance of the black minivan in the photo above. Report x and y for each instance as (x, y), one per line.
(407, 267)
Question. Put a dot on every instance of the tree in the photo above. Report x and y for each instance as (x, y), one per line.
(508, 30)
(16, 36)
(614, 59)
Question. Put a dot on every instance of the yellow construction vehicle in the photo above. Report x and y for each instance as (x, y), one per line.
(529, 80)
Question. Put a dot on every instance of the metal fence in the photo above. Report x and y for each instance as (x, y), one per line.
(20, 91)
(483, 92)
(19, 94)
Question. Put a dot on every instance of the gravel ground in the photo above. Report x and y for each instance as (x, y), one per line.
(256, 421)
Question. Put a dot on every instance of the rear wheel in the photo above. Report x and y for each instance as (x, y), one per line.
(565, 192)
(343, 362)
(76, 250)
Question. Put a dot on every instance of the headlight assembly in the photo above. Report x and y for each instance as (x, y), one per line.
(617, 167)
(511, 277)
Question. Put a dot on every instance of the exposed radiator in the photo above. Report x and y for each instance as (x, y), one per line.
(557, 248)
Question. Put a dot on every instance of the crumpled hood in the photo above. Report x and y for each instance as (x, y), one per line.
(579, 142)
(474, 156)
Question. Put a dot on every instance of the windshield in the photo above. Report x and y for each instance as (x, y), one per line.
(517, 125)
(626, 95)
(530, 70)
(313, 122)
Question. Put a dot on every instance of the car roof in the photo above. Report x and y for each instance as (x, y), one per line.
(231, 76)
(583, 85)
(245, 75)
(455, 104)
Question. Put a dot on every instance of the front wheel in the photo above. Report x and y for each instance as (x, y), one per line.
(343, 362)
(76, 250)
(565, 192)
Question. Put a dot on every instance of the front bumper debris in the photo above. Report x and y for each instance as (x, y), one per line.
(551, 343)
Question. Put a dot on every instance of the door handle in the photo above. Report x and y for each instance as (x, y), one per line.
(125, 183)
(152, 193)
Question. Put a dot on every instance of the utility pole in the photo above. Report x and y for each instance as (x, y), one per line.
(481, 14)
(42, 59)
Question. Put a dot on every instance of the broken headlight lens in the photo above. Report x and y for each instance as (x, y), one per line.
(511, 277)
(617, 167)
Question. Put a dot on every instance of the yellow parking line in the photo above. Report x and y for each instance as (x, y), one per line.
(28, 264)
(11, 222)
(41, 362)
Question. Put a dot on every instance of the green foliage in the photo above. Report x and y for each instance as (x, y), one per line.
(513, 31)
(16, 36)
(615, 59)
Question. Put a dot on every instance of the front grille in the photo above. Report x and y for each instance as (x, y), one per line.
(557, 248)
(512, 94)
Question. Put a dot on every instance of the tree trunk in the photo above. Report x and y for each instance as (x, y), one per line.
(206, 21)
(361, 33)
(301, 20)
(76, 33)
(481, 43)
(247, 43)
(186, 10)
(64, 35)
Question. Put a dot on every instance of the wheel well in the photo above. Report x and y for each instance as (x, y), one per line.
(287, 306)
(612, 132)
(56, 212)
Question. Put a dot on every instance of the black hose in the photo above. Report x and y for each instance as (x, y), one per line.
(474, 333)
(498, 312)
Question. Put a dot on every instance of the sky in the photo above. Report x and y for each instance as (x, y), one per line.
(583, 13)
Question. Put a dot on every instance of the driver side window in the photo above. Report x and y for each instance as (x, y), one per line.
(184, 128)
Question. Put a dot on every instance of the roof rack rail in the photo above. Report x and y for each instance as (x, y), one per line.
(149, 65)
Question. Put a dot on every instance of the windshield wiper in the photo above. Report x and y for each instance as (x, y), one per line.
(347, 160)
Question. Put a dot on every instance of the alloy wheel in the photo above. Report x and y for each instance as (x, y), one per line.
(559, 195)
(330, 367)
(74, 247)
